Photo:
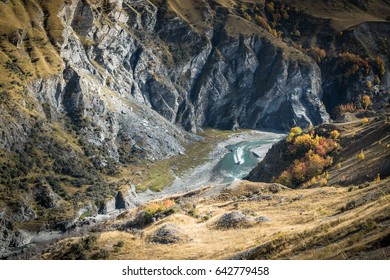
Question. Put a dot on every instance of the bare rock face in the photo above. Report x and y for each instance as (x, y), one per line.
(45, 197)
(272, 164)
(137, 78)
(10, 236)
(118, 75)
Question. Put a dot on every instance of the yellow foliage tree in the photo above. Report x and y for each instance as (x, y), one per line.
(366, 101)
(361, 155)
(334, 134)
(294, 131)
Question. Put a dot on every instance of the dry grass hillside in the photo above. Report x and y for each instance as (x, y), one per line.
(343, 14)
(30, 34)
(320, 223)
(269, 221)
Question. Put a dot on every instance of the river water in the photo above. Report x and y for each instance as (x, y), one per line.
(241, 159)
(230, 160)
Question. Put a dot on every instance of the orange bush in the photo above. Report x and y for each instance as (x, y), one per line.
(168, 203)
(316, 164)
(316, 53)
(298, 170)
(311, 153)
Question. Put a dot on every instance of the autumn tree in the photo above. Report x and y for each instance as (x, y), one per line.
(366, 101)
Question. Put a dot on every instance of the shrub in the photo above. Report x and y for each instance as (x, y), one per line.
(361, 155)
(354, 64)
(323, 182)
(304, 143)
(262, 22)
(284, 14)
(159, 207)
(334, 134)
(276, 17)
(285, 178)
(299, 170)
(293, 132)
(270, 8)
(316, 53)
(345, 108)
(101, 255)
(310, 155)
(379, 64)
(366, 101)
(5, 97)
(315, 164)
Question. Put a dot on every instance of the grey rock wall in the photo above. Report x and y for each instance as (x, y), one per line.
(136, 75)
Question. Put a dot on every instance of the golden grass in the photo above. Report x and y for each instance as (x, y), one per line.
(35, 54)
(191, 12)
(309, 227)
(342, 19)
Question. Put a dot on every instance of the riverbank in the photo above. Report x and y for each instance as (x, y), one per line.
(206, 173)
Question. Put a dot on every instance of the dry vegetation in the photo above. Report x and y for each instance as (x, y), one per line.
(29, 35)
(304, 224)
(342, 15)
(346, 219)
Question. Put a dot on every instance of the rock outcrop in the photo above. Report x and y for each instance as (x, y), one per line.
(168, 234)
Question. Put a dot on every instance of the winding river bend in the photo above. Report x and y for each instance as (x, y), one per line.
(230, 160)
(241, 159)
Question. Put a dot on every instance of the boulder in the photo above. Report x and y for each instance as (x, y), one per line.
(233, 219)
(168, 234)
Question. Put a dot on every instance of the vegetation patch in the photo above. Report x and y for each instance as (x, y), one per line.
(310, 153)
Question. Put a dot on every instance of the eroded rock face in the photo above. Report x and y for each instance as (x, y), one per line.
(9, 235)
(125, 62)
